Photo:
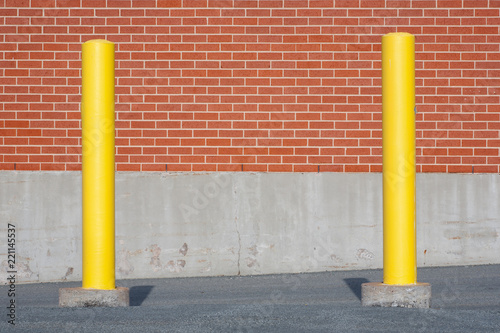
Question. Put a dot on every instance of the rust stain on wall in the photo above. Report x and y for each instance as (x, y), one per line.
(155, 259)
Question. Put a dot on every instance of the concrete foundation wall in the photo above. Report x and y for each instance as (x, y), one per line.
(189, 224)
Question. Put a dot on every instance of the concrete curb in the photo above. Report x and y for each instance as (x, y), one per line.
(403, 296)
(83, 298)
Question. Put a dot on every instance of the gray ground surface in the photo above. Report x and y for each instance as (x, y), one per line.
(465, 299)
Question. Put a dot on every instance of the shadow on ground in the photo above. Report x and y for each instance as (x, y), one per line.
(138, 294)
(355, 285)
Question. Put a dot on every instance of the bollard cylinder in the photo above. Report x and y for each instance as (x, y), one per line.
(98, 165)
(398, 146)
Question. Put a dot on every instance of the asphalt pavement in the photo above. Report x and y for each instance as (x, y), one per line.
(464, 299)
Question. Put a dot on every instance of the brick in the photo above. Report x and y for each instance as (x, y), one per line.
(486, 152)
(474, 160)
(486, 168)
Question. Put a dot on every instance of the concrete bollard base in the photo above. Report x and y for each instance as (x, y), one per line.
(83, 298)
(403, 296)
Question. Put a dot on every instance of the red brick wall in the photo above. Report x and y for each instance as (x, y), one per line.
(231, 85)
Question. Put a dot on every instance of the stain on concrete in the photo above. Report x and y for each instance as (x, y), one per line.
(155, 259)
(4, 267)
(364, 254)
(176, 266)
(207, 268)
(336, 259)
(184, 249)
(481, 234)
(68, 273)
(459, 222)
(123, 262)
(253, 250)
(251, 262)
(23, 270)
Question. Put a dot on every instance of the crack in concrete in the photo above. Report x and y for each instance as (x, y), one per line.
(236, 226)
(239, 245)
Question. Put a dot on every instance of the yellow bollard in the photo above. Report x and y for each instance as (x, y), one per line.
(398, 145)
(400, 287)
(98, 164)
(98, 182)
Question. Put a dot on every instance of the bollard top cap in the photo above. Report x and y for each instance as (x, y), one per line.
(98, 41)
(398, 34)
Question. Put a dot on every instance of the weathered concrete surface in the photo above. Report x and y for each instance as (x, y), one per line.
(188, 224)
(396, 296)
(90, 298)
